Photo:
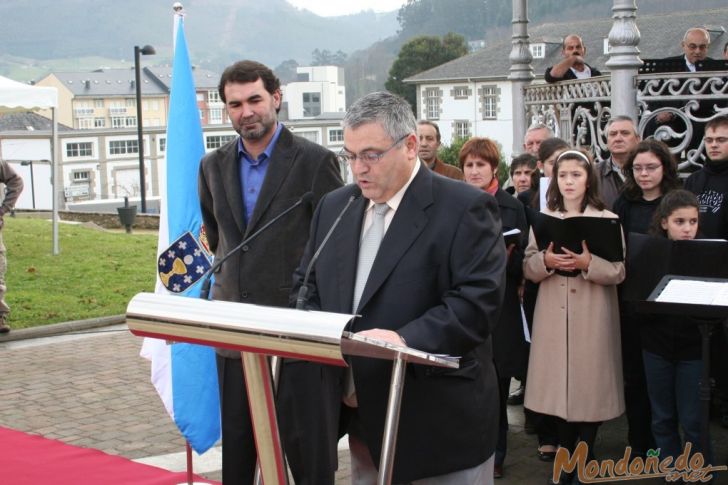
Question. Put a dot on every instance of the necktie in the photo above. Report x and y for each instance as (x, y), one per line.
(368, 251)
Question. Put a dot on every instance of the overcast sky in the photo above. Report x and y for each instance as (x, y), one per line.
(327, 8)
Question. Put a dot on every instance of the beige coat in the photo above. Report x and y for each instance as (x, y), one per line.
(575, 367)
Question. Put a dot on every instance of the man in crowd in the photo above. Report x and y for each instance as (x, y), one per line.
(13, 188)
(573, 66)
(710, 185)
(695, 44)
(429, 135)
(435, 285)
(243, 185)
(523, 174)
(622, 138)
(534, 136)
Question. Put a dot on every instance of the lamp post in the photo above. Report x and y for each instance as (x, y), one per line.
(146, 50)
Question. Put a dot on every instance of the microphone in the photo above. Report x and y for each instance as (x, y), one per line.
(205, 290)
(302, 297)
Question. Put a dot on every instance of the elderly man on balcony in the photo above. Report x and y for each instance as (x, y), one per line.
(573, 65)
(695, 44)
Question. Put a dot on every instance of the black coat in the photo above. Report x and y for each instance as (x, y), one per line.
(438, 281)
(510, 349)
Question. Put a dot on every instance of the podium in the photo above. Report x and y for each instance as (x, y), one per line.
(675, 300)
(258, 332)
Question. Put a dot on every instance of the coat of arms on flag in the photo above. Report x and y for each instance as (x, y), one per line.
(183, 263)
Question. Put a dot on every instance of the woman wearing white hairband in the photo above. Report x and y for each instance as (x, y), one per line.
(575, 368)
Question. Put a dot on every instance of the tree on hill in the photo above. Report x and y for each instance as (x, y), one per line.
(327, 58)
(420, 54)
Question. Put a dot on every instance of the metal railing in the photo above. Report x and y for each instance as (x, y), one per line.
(673, 108)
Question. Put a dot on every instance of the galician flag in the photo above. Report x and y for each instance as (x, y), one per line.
(185, 375)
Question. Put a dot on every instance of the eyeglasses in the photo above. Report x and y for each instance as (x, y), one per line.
(645, 168)
(719, 140)
(368, 157)
(700, 47)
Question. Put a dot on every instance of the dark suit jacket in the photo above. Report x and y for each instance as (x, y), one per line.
(261, 272)
(438, 281)
(683, 63)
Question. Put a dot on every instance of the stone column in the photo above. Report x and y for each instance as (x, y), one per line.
(521, 72)
(624, 60)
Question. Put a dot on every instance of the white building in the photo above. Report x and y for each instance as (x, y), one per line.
(103, 165)
(318, 90)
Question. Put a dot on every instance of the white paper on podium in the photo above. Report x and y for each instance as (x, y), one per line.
(695, 292)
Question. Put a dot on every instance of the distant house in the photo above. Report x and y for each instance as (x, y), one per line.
(106, 98)
(471, 95)
(318, 90)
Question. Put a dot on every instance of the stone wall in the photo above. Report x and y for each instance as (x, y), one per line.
(111, 221)
(104, 219)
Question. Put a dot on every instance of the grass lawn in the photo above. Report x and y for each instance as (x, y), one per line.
(95, 274)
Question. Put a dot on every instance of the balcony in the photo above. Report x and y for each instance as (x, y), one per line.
(83, 112)
(578, 110)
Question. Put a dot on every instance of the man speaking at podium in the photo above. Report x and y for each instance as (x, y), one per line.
(421, 258)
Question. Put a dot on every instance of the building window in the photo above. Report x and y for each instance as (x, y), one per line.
(489, 102)
(99, 122)
(81, 149)
(213, 97)
(116, 108)
(460, 92)
(121, 147)
(130, 102)
(336, 135)
(215, 116)
(85, 123)
(461, 129)
(216, 141)
(81, 176)
(98, 103)
(432, 103)
(537, 51)
(123, 121)
(311, 104)
(309, 135)
(162, 144)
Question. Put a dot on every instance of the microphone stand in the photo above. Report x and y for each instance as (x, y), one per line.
(206, 283)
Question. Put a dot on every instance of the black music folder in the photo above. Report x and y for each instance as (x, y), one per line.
(513, 236)
(650, 258)
(603, 235)
(655, 66)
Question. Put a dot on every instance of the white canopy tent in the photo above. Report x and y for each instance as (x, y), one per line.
(14, 97)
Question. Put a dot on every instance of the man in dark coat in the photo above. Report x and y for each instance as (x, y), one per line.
(573, 66)
(435, 283)
(243, 185)
(695, 44)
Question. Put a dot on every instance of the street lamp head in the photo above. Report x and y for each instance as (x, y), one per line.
(147, 50)
(177, 7)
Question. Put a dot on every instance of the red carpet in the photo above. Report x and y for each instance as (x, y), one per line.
(32, 460)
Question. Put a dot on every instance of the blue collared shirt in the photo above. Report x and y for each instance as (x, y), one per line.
(252, 172)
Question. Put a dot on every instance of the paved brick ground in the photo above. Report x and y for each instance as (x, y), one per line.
(94, 392)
